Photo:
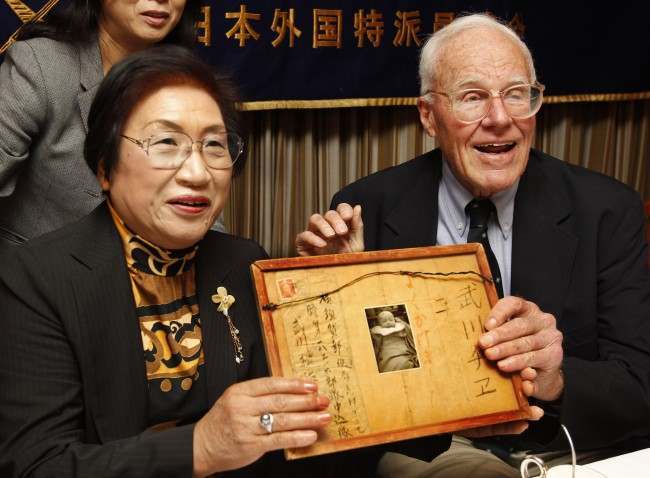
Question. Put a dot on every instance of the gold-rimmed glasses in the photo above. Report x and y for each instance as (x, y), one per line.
(170, 149)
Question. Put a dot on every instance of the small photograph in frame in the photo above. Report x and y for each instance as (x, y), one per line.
(392, 338)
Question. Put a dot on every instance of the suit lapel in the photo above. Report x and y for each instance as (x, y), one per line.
(90, 76)
(212, 270)
(110, 329)
(414, 221)
(543, 248)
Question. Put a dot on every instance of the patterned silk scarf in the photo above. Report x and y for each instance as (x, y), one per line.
(164, 290)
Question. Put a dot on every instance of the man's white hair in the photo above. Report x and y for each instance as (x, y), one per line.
(430, 53)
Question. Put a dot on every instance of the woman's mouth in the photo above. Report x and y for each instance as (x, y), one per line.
(191, 205)
(155, 18)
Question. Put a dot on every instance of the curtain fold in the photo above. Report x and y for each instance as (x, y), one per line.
(298, 159)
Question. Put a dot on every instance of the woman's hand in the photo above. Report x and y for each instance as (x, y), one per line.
(230, 435)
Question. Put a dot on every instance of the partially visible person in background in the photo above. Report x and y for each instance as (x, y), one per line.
(47, 82)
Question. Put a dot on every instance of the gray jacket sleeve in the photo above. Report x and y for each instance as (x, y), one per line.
(23, 111)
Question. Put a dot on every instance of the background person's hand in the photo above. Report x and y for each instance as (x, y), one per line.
(522, 339)
(333, 232)
(230, 435)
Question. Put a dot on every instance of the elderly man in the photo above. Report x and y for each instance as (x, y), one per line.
(565, 245)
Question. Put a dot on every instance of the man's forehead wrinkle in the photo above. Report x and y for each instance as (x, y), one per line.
(480, 54)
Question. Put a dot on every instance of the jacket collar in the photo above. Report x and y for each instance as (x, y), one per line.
(543, 248)
(91, 74)
(110, 329)
(413, 221)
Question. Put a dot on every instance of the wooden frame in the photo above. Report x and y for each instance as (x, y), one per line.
(418, 374)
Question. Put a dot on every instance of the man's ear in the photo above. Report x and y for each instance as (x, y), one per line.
(101, 177)
(427, 117)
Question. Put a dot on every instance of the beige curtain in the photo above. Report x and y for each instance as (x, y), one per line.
(297, 159)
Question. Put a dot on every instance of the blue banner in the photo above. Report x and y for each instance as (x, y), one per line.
(337, 53)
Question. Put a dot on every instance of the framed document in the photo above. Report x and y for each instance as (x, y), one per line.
(391, 338)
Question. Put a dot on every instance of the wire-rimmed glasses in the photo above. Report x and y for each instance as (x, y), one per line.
(471, 105)
(170, 149)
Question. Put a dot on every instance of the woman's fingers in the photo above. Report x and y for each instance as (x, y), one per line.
(282, 402)
(283, 422)
(291, 439)
(272, 385)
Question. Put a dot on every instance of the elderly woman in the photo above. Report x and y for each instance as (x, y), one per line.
(126, 333)
(47, 83)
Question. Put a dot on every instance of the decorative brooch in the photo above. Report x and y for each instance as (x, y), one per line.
(225, 301)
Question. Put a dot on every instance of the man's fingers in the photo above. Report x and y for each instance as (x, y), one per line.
(517, 327)
(506, 309)
(307, 240)
(536, 413)
(510, 428)
(320, 225)
(356, 224)
(345, 211)
(547, 358)
(336, 222)
(527, 343)
(528, 373)
(528, 387)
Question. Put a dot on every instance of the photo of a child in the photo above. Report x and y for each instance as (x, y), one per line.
(392, 338)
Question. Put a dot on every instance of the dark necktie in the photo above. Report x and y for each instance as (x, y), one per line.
(479, 211)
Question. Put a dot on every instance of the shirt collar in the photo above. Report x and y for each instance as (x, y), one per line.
(459, 197)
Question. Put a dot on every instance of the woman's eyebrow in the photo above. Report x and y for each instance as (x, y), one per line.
(164, 123)
(216, 128)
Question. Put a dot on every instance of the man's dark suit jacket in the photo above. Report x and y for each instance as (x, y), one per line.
(73, 388)
(579, 253)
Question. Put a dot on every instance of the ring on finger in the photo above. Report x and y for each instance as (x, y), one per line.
(266, 422)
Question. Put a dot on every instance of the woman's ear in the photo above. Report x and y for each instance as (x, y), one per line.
(101, 177)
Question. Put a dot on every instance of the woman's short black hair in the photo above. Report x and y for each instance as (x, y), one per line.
(136, 77)
(78, 20)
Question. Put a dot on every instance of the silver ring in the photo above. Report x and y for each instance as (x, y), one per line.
(266, 422)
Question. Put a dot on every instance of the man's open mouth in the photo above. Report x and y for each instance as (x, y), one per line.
(495, 148)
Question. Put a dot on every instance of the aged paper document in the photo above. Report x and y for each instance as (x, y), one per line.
(389, 339)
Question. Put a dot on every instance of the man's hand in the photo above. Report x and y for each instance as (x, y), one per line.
(509, 428)
(332, 233)
(523, 339)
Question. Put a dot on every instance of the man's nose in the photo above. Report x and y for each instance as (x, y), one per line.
(497, 115)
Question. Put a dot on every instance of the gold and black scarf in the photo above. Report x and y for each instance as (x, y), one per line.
(164, 291)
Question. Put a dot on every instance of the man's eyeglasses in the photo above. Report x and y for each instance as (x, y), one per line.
(474, 104)
(170, 149)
